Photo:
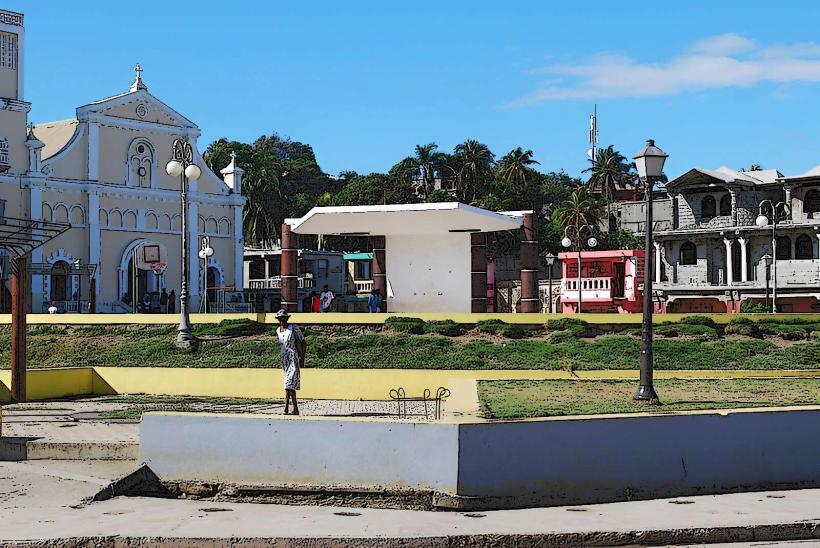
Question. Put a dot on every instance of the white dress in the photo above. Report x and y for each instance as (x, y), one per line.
(288, 341)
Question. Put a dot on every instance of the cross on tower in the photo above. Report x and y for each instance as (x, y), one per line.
(138, 71)
(138, 85)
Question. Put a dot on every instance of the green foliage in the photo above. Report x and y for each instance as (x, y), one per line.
(673, 329)
(414, 326)
(492, 326)
(438, 195)
(788, 331)
(609, 172)
(566, 324)
(742, 326)
(448, 328)
(749, 307)
(698, 320)
(566, 336)
(513, 332)
(231, 328)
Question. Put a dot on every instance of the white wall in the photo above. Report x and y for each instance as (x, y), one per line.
(429, 273)
(263, 450)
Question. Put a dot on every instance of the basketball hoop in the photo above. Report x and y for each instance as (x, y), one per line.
(158, 267)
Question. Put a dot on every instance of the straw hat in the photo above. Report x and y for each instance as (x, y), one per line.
(282, 314)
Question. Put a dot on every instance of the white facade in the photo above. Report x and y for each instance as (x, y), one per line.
(104, 173)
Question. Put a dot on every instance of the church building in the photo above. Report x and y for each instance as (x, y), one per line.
(103, 172)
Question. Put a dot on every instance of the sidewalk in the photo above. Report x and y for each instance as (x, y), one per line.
(42, 501)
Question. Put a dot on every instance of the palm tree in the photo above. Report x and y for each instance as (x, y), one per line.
(425, 161)
(609, 171)
(514, 167)
(578, 210)
(475, 162)
(263, 190)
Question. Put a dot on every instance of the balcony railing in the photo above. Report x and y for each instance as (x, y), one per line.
(598, 288)
(363, 286)
(304, 282)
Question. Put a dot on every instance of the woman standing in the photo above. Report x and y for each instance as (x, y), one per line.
(292, 344)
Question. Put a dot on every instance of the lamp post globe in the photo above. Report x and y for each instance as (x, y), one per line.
(193, 172)
(566, 242)
(549, 258)
(762, 221)
(592, 242)
(174, 168)
(649, 162)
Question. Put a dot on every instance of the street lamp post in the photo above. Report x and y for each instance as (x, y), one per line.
(182, 165)
(780, 211)
(549, 258)
(649, 162)
(591, 242)
(205, 253)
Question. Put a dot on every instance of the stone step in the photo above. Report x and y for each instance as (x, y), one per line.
(17, 449)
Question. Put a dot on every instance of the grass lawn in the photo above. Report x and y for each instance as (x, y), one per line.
(253, 345)
(520, 399)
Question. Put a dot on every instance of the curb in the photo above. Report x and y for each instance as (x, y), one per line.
(19, 449)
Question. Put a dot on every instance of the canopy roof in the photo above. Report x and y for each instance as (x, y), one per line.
(403, 219)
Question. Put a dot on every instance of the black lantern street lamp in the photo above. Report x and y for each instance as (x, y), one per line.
(780, 211)
(591, 241)
(649, 162)
(549, 258)
(182, 165)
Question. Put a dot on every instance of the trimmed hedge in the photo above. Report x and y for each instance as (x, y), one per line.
(448, 328)
(414, 326)
(490, 326)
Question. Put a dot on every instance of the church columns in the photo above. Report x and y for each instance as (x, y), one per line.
(733, 197)
(744, 272)
(93, 215)
(93, 151)
(193, 255)
(658, 249)
(788, 190)
(238, 250)
(729, 275)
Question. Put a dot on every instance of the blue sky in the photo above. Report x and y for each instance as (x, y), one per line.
(713, 83)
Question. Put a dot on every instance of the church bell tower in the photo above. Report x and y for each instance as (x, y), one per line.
(13, 108)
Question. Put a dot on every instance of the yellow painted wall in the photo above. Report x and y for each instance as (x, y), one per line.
(347, 384)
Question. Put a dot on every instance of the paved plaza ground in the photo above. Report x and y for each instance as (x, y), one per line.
(45, 500)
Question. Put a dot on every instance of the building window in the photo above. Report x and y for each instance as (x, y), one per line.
(59, 281)
(140, 163)
(306, 267)
(256, 269)
(708, 207)
(323, 268)
(726, 205)
(4, 152)
(803, 248)
(688, 254)
(362, 270)
(784, 248)
(811, 204)
(275, 265)
(8, 50)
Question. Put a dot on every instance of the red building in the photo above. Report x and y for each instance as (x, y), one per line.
(609, 281)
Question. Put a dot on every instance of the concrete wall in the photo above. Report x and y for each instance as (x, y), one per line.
(603, 459)
(509, 464)
(429, 273)
(269, 451)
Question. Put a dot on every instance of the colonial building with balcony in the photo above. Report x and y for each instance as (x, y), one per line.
(609, 281)
(715, 256)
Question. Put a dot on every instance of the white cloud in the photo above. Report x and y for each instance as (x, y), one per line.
(723, 61)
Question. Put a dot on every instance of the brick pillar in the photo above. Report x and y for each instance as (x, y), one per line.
(19, 292)
(379, 269)
(92, 295)
(290, 278)
(478, 271)
(530, 301)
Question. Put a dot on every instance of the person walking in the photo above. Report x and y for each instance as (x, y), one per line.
(292, 352)
(163, 302)
(326, 299)
(172, 302)
(374, 301)
(315, 303)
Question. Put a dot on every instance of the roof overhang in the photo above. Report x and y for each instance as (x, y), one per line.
(403, 219)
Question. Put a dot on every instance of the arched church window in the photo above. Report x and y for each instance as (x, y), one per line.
(140, 163)
(688, 253)
(708, 207)
(803, 248)
(59, 281)
(726, 205)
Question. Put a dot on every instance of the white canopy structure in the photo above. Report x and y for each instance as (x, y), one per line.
(430, 253)
(404, 220)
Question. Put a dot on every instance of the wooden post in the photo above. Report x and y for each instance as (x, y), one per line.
(290, 278)
(379, 269)
(530, 300)
(478, 272)
(19, 291)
